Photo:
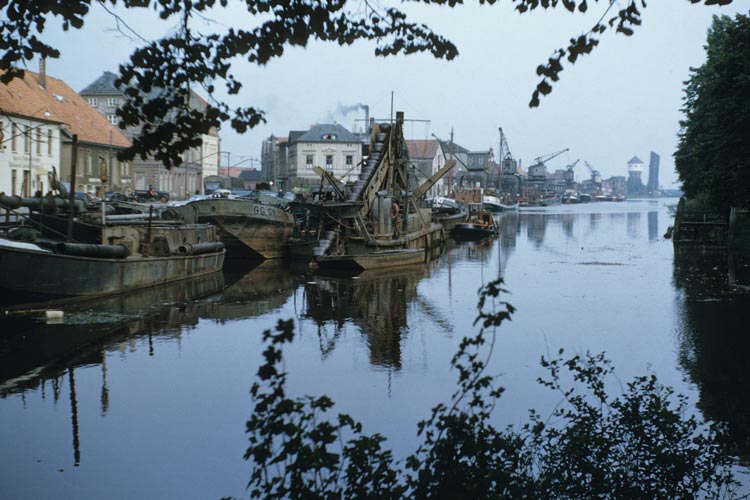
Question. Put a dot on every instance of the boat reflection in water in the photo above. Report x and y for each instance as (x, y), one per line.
(375, 300)
(713, 335)
(252, 291)
(43, 355)
(34, 348)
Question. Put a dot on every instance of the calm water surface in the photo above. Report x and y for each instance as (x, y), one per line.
(147, 395)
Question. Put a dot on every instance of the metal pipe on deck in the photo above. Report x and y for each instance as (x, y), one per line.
(40, 204)
(200, 248)
(119, 251)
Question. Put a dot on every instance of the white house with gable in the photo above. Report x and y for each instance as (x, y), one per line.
(329, 146)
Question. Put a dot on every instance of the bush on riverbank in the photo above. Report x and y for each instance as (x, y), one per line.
(639, 444)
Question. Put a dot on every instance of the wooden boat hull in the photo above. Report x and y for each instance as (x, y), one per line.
(450, 221)
(496, 206)
(374, 260)
(503, 207)
(257, 227)
(66, 275)
(467, 231)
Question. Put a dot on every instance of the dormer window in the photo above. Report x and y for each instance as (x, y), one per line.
(329, 137)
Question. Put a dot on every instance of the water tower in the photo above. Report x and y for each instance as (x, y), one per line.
(635, 170)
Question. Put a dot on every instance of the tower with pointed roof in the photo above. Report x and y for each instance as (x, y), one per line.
(635, 171)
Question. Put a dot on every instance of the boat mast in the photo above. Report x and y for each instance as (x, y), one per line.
(72, 194)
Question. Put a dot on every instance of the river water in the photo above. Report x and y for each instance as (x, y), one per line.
(146, 395)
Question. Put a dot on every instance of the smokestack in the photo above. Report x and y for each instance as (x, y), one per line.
(367, 116)
(43, 73)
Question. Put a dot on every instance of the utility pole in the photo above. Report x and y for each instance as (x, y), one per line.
(109, 166)
(450, 173)
(72, 194)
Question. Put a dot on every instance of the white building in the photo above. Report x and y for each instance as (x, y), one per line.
(331, 147)
(30, 148)
(40, 115)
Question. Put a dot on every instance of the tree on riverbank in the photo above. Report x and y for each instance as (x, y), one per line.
(713, 155)
(640, 444)
(185, 57)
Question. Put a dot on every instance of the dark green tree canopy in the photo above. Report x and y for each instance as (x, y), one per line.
(713, 155)
(187, 57)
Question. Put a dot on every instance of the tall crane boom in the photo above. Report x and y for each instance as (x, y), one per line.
(546, 158)
(569, 174)
(596, 177)
(504, 152)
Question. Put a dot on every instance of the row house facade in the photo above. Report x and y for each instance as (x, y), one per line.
(180, 182)
(331, 147)
(273, 162)
(39, 117)
(288, 162)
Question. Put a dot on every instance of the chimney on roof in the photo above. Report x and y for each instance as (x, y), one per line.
(43, 73)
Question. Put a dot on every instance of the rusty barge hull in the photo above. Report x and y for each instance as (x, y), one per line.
(38, 272)
(373, 260)
(263, 238)
(259, 228)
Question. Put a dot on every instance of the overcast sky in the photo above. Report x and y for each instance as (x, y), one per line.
(622, 100)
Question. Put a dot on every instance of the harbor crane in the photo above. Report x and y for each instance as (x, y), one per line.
(596, 177)
(504, 153)
(509, 180)
(538, 171)
(548, 157)
(569, 174)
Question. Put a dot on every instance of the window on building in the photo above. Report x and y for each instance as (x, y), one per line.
(27, 140)
(308, 161)
(349, 161)
(49, 142)
(13, 134)
(112, 102)
(112, 119)
(329, 137)
(329, 162)
(38, 141)
(14, 182)
(93, 101)
(89, 161)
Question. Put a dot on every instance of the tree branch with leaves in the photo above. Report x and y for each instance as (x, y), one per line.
(157, 78)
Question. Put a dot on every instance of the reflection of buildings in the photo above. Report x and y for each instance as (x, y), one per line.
(653, 225)
(568, 221)
(634, 224)
(594, 221)
(714, 341)
(377, 302)
(510, 227)
(536, 226)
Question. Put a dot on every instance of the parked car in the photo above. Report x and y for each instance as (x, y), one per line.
(80, 195)
(114, 196)
(150, 196)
